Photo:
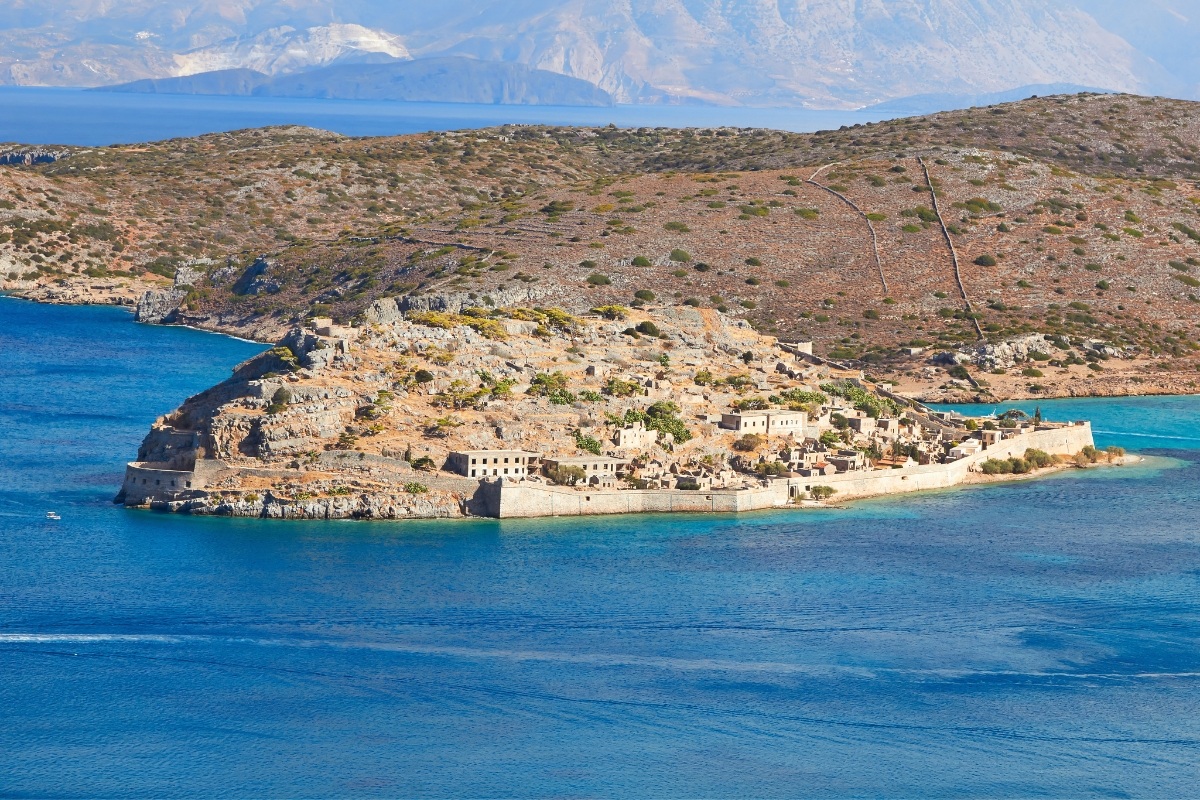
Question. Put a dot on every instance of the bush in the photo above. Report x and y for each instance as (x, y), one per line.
(279, 400)
(423, 463)
(645, 295)
(1039, 458)
(754, 262)
(647, 328)
(641, 261)
(616, 387)
(596, 279)
(422, 376)
(587, 443)
(415, 488)
(986, 261)
(1032, 372)
(807, 213)
(680, 256)
(611, 312)
(749, 443)
(960, 372)
(677, 227)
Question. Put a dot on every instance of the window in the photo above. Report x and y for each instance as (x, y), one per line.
(472, 473)
(472, 461)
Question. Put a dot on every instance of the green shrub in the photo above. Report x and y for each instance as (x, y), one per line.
(587, 443)
(415, 488)
(566, 474)
(680, 256)
(645, 295)
(986, 261)
(597, 279)
(641, 261)
(807, 213)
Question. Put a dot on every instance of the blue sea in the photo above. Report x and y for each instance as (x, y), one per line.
(34, 115)
(1030, 639)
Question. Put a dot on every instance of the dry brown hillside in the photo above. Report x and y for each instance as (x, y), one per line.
(1077, 217)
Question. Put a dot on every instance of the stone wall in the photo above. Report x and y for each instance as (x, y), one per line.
(533, 500)
(850, 485)
(146, 481)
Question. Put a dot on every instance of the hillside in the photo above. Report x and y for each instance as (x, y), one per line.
(1092, 241)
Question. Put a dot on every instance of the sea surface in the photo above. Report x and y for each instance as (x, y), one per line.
(1029, 639)
(74, 116)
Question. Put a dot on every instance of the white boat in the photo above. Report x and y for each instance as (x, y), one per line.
(52, 515)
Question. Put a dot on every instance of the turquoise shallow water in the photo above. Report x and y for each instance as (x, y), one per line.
(1025, 640)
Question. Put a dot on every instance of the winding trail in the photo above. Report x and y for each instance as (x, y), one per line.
(950, 243)
(812, 181)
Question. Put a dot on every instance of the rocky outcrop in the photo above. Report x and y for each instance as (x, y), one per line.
(28, 156)
(1007, 354)
(255, 280)
(160, 306)
(398, 505)
(392, 309)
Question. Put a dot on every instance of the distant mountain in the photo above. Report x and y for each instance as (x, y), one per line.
(218, 82)
(814, 53)
(447, 80)
(277, 51)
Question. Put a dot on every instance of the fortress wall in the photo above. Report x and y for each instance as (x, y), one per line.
(150, 481)
(1056, 441)
(549, 501)
(519, 500)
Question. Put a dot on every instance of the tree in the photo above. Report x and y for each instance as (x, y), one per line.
(566, 474)
(822, 492)
(279, 400)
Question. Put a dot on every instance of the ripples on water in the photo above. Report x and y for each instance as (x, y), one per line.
(1034, 638)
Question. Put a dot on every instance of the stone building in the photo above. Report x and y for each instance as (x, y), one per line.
(592, 466)
(494, 463)
(767, 423)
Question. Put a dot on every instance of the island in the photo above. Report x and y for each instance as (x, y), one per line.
(450, 406)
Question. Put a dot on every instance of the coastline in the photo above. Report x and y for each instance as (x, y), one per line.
(277, 494)
(1098, 386)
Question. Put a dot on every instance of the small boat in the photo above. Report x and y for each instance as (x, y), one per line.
(52, 515)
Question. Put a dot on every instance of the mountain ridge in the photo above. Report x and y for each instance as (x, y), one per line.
(812, 53)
